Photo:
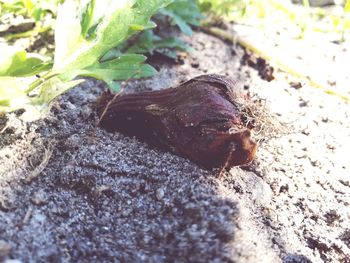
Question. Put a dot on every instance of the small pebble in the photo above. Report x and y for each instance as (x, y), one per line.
(39, 198)
(73, 141)
(160, 194)
(86, 112)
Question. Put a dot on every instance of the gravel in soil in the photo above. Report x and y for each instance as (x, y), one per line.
(72, 192)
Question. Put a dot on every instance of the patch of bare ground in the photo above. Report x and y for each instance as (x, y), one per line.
(72, 192)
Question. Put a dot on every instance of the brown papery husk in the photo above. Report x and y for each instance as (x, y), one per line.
(204, 119)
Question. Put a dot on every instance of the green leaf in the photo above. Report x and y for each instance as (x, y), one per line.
(37, 13)
(121, 68)
(148, 42)
(113, 21)
(84, 34)
(52, 88)
(19, 63)
(12, 95)
(68, 38)
(29, 5)
(184, 27)
(188, 10)
(111, 54)
(12, 6)
(114, 86)
(87, 18)
(183, 14)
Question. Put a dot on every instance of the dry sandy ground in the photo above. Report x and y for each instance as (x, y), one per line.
(71, 192)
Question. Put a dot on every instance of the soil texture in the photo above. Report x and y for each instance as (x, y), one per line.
(72, 192)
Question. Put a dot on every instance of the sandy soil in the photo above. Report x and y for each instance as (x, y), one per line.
(71, 192)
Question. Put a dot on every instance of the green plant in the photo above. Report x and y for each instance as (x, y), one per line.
(183, 13)
(29, 8)
(83, 36)
(90, 42)
(148, 42)
(42, 13)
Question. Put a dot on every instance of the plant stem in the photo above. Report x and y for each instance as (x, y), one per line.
(39, 81)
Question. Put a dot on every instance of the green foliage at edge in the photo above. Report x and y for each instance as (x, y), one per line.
(83, 35)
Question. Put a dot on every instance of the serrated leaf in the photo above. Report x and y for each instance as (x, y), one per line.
(80, 57)
(113, 27)
(84, 33)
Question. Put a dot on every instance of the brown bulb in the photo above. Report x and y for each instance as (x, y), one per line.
(200, 119)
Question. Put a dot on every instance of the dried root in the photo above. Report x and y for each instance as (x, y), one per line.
(264, 124)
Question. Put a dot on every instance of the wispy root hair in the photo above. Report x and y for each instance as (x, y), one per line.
(263, 124)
